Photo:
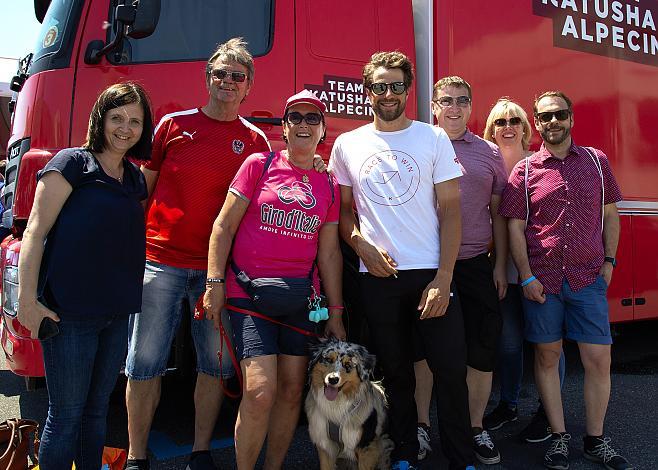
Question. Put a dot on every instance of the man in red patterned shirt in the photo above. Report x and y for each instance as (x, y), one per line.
(564, 229)
(196, 154)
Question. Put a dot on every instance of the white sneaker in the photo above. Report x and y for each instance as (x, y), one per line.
(424, 446)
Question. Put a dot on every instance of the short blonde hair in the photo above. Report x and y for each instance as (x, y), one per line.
(504, 107)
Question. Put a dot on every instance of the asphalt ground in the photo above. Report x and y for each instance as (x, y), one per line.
(631, 420)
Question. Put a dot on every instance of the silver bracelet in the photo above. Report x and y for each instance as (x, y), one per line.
(215, 280)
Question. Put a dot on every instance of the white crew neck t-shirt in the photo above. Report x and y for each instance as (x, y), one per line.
(392, 175)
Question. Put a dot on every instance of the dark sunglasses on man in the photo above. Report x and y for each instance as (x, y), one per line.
(560, 115)
(380, 88)
(221, 74)
(312, 119)
(447, 101)
(513, 121)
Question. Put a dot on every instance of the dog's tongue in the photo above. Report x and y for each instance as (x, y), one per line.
(330, 393)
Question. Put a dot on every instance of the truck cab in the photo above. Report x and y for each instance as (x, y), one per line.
(320, 46)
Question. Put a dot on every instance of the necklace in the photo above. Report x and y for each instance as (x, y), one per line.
(118, 177)
(305, 178)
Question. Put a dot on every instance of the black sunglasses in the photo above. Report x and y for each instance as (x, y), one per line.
(447, 101)
(560, 115)
(221, 74)
(380, 88)
(312, 119)
(501, 122)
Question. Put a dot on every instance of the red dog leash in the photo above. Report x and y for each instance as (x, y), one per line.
(200, 313)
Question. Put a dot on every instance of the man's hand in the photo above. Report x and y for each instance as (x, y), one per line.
(377, 260)
(606, 272)
(334, 327)
(213, 301)
(535, 292)
(500, 280)
(436, 296)
(319, 164)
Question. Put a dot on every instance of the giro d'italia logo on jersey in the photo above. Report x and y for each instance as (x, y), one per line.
(292, 220)
(389, 177)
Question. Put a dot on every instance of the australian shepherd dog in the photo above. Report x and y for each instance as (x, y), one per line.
(346, 410)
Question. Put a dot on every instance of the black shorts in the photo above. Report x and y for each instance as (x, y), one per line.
(483, 321)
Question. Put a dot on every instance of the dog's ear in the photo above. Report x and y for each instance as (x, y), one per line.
(367, 366)
(316, 353)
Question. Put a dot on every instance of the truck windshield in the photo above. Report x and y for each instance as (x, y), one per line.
(55, 41)
(53, 28)
(192, 29)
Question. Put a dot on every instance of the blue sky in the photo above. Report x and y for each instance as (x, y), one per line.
(18, 33)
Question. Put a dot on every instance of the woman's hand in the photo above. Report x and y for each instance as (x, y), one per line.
(319, 164)
(31, 314)
(213, 301)
(334, 327)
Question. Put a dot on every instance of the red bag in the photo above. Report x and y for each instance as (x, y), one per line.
(14, 443)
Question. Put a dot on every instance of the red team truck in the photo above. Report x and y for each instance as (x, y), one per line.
(602, 53)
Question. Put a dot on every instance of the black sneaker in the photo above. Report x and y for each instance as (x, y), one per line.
(485, 449)
(201, 460)
(538, 430)
(598, 449)
(500, 416)
(137, 464)
(557, 456)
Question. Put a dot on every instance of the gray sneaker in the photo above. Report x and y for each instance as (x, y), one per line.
(424, 446)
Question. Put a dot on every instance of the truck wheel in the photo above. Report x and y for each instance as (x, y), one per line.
(34, 383)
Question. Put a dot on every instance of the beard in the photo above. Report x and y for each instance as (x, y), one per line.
(555, 139)
(389, 114)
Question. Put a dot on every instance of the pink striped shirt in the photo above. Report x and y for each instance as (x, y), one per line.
(564, 224)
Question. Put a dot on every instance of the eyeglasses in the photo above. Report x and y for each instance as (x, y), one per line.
(447, 101)
(560, 115)
(380, 88)
(312, 119)
(221, 74)
(501, 122)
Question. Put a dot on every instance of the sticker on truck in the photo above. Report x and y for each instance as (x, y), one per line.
(624, 30)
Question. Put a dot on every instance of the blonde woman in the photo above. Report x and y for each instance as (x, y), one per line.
(509, 128)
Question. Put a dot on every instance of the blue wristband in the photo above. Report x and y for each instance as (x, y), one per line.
(528, 281)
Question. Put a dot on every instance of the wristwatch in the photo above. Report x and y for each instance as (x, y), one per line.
(610, 260)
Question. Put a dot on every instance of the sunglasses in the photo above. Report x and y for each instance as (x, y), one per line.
(312, 119)
(514, 121)
(221, 74)
(380, 88)
(447, 101)
(560, 115)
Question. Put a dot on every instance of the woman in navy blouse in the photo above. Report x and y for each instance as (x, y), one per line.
(81, 269)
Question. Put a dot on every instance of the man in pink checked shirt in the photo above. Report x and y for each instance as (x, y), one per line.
(564, 229)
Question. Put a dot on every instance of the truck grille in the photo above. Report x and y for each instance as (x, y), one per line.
(14, 154)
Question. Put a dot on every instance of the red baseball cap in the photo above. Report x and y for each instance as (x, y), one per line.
(305, 96)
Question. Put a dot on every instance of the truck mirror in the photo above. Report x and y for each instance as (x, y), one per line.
(40, 9)
(124, 16)
(146, 19)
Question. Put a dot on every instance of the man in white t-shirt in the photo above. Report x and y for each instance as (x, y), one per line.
(397, 171)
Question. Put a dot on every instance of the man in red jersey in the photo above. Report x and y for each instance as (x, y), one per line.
(196, 154)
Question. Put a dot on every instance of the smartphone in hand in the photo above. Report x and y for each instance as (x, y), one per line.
(48, 328)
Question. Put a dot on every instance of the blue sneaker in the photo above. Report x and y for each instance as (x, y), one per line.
(470, 467)
(402, 465)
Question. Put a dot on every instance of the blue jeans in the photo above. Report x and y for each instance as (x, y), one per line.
(510, 351)
(82, 364)
(153, 329)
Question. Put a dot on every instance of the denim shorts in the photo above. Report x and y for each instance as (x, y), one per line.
(254, 337)
(579, 316)
(153, 329)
